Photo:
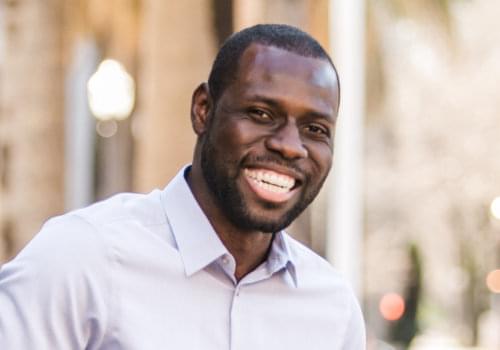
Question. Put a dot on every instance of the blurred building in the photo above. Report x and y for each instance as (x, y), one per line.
(431, 134)
(31, 119)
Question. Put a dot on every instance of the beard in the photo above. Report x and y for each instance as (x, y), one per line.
(221, 173)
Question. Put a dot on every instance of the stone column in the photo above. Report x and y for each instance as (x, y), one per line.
(177, 47)
(31, 120)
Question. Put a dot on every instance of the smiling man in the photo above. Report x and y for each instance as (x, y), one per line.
(204, 263)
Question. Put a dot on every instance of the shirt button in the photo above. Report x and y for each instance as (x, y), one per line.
(225, 260)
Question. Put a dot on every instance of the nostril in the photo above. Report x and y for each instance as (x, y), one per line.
(287, 149)
(287, 142)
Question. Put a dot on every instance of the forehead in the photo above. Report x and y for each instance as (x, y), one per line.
(285, 72)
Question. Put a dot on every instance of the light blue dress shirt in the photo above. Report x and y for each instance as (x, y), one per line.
(148, 272)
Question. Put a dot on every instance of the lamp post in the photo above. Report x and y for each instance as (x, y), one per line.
(79, 126)
(111, 97)
(345, 227)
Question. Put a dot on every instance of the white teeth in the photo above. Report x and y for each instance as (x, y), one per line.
(269, 187)
(271, 181)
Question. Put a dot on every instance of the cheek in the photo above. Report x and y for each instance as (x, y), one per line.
(235, 135)
(321, 157)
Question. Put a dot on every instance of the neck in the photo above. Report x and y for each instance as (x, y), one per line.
(249, 251)
(249, 248)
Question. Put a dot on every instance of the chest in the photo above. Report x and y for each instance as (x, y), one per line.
(208, 312)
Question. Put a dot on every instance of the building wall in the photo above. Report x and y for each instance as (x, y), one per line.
(31, 120)
(176, 49)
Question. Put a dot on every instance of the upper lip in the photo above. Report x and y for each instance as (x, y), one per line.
(299, 177)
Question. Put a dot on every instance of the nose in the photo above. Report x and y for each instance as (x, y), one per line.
(286, 141)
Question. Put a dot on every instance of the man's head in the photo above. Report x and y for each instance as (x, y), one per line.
(265, 135)
(281, 36)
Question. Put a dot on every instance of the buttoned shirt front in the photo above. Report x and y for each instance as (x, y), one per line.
(148, 272)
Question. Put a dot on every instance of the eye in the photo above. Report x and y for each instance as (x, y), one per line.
(260, 115)
(318, 130)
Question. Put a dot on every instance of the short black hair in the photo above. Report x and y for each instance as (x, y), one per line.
(281, 36)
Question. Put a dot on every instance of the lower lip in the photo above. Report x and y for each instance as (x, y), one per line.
(269, 196)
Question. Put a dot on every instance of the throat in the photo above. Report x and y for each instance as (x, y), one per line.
(249, 250)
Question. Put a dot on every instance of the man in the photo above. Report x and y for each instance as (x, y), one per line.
(205, 263)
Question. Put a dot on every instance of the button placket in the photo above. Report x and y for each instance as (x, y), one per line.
(236, 319)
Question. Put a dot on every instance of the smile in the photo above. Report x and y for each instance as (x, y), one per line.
(270, 185)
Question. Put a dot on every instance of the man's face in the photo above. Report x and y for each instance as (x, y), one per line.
(269, 145)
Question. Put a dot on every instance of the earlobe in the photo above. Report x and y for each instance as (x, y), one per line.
(201, 105)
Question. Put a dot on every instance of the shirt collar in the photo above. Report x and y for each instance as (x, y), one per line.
(196, 239)
(280, 256)
(198, 243)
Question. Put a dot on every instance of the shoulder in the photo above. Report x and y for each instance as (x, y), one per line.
(64, 244)
(66, 261)
(85, 238)
(313, 267)
(144, 208)
(314, 273)
(331, 289)
(62, 277)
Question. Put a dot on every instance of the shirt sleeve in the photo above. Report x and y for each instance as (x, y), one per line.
(355, 336)
(53, 294)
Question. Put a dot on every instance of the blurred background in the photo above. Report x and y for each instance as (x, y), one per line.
(94, 100)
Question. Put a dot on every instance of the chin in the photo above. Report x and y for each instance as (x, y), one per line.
(266, 226)
(264, 220)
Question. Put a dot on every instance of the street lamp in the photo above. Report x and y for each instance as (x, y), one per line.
(495, 208)
(111, 96)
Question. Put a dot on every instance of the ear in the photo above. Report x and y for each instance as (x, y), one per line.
(201, 105)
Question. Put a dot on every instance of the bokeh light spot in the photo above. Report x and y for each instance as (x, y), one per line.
(111, 91)
(392, 306)
(493, 281)
(495, 208)
(106, 128)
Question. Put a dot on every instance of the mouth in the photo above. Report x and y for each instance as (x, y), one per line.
(271, 185)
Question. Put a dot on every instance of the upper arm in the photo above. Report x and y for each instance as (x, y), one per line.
(51, 295)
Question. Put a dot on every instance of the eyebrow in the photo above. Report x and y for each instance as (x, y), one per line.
(267, 100)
